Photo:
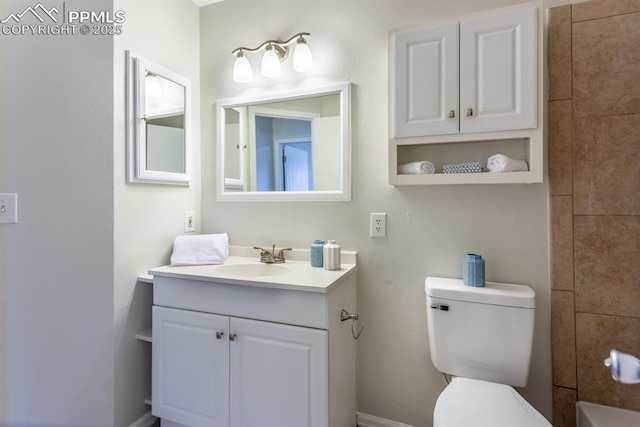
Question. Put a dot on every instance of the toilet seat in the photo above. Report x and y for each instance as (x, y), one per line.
(468, 402)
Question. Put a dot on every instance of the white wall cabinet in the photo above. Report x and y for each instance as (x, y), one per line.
(238, 355)
(426, 81)
(475, 76)
(498, 56)
(474, 80)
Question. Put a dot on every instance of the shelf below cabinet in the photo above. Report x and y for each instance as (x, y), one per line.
(145, 335)
(520, 146)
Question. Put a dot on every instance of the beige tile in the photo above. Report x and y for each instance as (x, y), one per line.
(606, 253)
(561, 235)
(560, 148)
(603, 8)
(596, 335)
(559, 52)
(606, 155)
(563, 337)
(564, 407)
(606, 66)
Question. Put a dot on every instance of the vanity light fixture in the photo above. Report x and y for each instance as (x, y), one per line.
(275, 53)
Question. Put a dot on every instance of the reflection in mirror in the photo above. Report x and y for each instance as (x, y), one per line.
(165, 130)
(158, 132)
(292, 146)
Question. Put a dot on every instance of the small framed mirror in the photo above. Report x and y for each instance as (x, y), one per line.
(158, 124)
(292, 145)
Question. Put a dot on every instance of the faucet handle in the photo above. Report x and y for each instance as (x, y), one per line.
(281, 253)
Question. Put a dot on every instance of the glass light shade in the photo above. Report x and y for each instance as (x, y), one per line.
(242, 72)
(271, 63)
(152, 86)
(302, 59)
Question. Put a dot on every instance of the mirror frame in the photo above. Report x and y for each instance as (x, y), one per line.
(344, 194)
(137, 171)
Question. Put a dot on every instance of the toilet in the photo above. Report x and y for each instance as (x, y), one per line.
(482, 336)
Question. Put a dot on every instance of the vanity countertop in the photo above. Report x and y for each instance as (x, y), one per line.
(292, 275)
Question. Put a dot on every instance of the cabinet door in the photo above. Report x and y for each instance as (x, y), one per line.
(426, 81)
(278, 375)
(190, 364)
(498, 72)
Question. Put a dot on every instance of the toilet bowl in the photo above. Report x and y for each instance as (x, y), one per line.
(482, 336)
(468, 402)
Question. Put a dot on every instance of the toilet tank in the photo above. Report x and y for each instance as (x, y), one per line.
(481, 333)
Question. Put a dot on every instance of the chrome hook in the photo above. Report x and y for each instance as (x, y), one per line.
(345, 315)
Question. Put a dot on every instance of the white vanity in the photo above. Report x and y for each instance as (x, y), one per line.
(250, 344)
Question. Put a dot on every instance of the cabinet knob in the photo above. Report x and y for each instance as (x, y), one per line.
(219, 335)
(232, 337)
(452, 114)
(469, 112)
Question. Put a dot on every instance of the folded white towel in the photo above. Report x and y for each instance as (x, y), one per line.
(502, 163)
(200, 249)
(415, 168)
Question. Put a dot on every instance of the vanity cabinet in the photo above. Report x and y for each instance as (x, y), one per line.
(249, 354)
(219, 371)
(475, 80)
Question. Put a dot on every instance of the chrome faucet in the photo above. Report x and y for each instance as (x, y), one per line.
(270, 257)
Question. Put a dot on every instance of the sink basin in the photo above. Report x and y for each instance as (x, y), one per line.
(253, 270)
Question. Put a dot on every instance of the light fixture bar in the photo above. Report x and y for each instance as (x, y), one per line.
(271, 42)
(275, 52)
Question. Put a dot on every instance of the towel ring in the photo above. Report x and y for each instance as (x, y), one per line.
(345, 315)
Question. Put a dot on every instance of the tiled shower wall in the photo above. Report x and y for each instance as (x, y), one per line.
(594, 187)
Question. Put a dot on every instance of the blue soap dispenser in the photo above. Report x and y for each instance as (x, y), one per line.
(316, 253)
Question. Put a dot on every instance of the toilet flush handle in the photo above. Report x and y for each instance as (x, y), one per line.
(441, 307)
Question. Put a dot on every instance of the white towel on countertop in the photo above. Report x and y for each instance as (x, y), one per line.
(415, 168)
(200, 249)
(502, 163)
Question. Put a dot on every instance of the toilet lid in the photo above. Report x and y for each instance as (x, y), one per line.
(467, 402)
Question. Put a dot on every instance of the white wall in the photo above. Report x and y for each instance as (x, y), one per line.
(56, 264)
(147, 218)
(429, 228)
(70, 301)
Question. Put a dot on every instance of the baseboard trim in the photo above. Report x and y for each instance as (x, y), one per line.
(365, 420)
(146, 420)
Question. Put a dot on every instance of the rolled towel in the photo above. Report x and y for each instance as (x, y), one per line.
(416, 168)
(200, 249)
(502, 163)
(473, 167)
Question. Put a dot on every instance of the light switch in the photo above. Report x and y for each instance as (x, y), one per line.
(8, 208)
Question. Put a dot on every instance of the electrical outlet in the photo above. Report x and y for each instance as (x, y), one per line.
(378, 225)
(8, 208)
(189, 222)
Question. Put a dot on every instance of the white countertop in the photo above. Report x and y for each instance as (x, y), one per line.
(302, 276)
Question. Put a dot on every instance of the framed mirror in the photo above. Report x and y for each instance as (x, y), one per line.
(158, 124)
(292, 145)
